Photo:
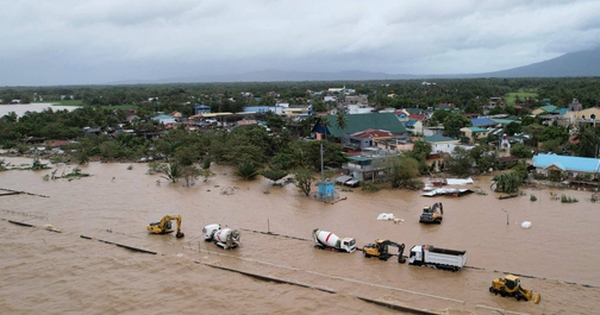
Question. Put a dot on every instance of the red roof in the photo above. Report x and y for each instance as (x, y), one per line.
(373, 133)
(417, 116)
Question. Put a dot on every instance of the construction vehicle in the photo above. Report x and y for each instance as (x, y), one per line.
(209, 231)
(510, 286)
(440, 258)
(380, 250)
(165, 226)
(328, 240)
(226, 238)
(433, 214)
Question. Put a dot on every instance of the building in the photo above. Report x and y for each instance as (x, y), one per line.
(474, 133)
(371, 166)
(368, 138)
(360, 122)
(201, 109)
(560, 167)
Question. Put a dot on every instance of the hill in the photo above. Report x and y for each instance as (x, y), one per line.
(576, 64)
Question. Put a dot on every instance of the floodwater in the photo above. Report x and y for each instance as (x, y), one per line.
(62, 273)
(21, 109)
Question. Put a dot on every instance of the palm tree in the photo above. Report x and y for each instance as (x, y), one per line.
(587, 141)
(341, 120)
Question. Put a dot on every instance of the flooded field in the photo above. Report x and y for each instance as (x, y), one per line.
(63, 273)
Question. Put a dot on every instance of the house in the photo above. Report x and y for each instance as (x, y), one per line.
(368, 138)
(441, 144)
(483, 122)
(543, 110)
(562, 166)
(371, 166)
(88, 131)
(360, 109)
(474, 133)
(164, 119)
(360, 122)
(414, 126)
(201, 109)
(356, 100)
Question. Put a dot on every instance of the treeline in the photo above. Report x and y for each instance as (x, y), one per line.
(468, 94)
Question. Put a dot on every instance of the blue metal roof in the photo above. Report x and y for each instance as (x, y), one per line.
(482, 122)
(410, 122)
(567, 163)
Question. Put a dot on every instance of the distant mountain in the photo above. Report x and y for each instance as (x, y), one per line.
(280, 75)
(576, 64)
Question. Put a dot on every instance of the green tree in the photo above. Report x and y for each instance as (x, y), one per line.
(303, 179)
(521, 151)
(452, 124)
(513, 128)
(274, 173)
(341, 122)
(247, 170)
(405, 172)
(459, 163)
(508, 182)
(587, 141)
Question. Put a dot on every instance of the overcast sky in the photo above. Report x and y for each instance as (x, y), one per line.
(103, 41)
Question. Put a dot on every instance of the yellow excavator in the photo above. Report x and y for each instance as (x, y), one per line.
(165, 226)
(380, 250)
(510, 286)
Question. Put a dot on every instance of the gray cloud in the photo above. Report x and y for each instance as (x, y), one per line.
(84, 41)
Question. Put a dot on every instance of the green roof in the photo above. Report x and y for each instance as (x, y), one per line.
(506, 121)
(361, 122)
(549, 108)
(477, 129)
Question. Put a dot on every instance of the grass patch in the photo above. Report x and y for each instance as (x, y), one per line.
(522, 94)
(68, 103)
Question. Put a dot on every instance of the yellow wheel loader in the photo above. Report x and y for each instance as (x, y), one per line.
(511, 286)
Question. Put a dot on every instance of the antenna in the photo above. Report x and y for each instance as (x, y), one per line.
(322, 172)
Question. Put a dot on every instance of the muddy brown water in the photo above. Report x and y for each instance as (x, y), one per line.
(62, 273)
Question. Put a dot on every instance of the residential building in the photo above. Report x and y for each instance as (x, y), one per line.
(474, 133)
(371, 166)
(368, 138)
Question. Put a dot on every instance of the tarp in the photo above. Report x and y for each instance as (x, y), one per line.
(385, 216)
(459, 181)
(446, 191)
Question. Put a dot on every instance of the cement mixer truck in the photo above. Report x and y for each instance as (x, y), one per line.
(210, 230)
(227, 238)
(328, 240)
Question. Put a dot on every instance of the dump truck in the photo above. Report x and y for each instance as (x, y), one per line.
(330, 241)
(440, 258)
(380, 249)
(433, 214)
(510, 286)
(227, 238)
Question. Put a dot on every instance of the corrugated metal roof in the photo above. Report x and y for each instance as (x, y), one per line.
(360, 122)
(482, 122)
(567, 163)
